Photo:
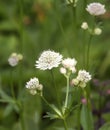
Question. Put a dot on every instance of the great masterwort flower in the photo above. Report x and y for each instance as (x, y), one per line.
(96, 8)
(69, 64)
(14, 59)
(48, 60)
(82, 78)
(33, 86)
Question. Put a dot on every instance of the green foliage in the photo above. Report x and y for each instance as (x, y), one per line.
(106, 126)
(86, 118)
(48, 24)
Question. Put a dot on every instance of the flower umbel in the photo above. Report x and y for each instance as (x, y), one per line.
(69, 63)
(14, 59)
(33, 86)
(96, 8)
(82, 78)
(48, 60)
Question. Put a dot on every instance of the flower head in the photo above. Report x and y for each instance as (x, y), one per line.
(48, 60)
(96, 8)
(82, 79)
(14, 59)
(33, 86)
(97, 31)
(84, 26)
(69, 63)
(83, 76)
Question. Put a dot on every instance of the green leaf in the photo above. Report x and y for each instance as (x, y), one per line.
(106, 126)
(8, 110)
(5, 97)
(56, 110)
(86, 118)
(51, 116)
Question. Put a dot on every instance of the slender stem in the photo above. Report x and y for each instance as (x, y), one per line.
(22, 121)
(78, 110)
(86, 94)
(21, 113)
(67, 92)
(57, 14)
(88, 51)
(84, 49)
(74, 19)
(46, 101)
(50, 105)
(65, 124)
(53, 79)
(21, 3)
(11, 85)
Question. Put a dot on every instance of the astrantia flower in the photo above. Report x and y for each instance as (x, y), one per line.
(82, 79)
(48, 60)
(14, 59)
(96, 9)
(33, 86)
(70, 64)
(83, 76)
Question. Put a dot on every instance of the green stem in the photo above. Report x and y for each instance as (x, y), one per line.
(21, 3)
(67, 92)
(46, 102)
(21, 113)
(57, 14)
(21, 30)
(78, 110)
(74, 19)
(50, 106)
(65, 124)
(11, 85)
(84, 49)
(88, 51)
(22, 120)
(86, 94)
(53, 79)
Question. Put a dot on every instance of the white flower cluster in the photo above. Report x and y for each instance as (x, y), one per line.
(48, 60)
(96, 8)
(68, 65)
(14, 59)
(33, 86)
(82, 78)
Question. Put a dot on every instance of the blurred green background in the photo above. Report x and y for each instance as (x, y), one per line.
(32, 26)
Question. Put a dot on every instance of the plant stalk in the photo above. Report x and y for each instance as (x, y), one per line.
(67, 92)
